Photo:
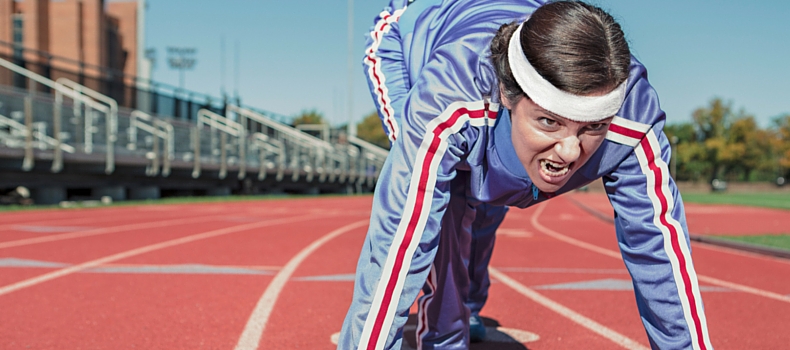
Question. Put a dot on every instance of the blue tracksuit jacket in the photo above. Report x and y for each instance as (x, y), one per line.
(453, 146)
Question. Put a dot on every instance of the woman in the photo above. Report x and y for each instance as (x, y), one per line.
(513, 116)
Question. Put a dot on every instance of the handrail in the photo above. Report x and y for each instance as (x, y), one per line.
(227, 126)
(272, 145)
(35, 77)
(323, 129)
(60, 89)
(316, 148)
(279, 144)
(161, 129)
(368, 146)
(41, 137)
(286, 129)
(112, 125)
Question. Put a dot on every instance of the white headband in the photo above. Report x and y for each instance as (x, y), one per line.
(544, 94)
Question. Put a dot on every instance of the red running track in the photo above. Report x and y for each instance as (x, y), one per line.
(277, 274)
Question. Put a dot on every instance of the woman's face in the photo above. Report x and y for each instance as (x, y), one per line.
(550, 147)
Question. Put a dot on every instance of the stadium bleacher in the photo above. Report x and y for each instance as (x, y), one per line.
(66, 141)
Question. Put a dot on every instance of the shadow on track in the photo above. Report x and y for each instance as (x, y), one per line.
(497, 338)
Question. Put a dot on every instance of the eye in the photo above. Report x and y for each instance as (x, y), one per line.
(597, 127)
(547, 122)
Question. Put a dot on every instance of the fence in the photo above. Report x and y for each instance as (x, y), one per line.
(46, 118)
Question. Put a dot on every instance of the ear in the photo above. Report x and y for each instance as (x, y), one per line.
(502, 98)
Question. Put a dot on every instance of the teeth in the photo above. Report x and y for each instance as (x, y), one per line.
(554, 169)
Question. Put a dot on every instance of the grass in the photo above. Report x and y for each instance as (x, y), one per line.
(776, 200)
(773, 241)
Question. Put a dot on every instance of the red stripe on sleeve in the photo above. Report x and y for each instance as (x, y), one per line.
(674, 237)
(626, 131)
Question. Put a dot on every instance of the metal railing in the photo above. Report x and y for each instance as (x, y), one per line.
(78, 98)
(82, 120)
(158, 129)
(111, 124)
(12, 132)
(373, 158)
(225, 127)
(306, 153)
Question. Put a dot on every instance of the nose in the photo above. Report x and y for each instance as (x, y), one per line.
(568, 148)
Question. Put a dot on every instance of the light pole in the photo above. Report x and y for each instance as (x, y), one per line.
(181, 58)
(674, 161)
(352, 128)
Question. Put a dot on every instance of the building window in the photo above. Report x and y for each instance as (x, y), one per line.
(19, 22)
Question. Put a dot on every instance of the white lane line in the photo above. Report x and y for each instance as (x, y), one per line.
(251, 336)
(606, 217)
(242, 267)
(146, 249)
(745, 289)
(616, 255)
(105, 230)
(61, 221)
(569, 240)
(93, 217)
(742, 253)
(564, 311)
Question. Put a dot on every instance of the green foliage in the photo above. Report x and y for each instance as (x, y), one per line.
(309, 117)
(689, 154)
(725, 144)
(371, 130)
(781, 143)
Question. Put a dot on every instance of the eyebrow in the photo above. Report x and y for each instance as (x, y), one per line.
(555, 115)
(543, 110)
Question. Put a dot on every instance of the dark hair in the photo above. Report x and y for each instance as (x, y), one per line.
(577, 47)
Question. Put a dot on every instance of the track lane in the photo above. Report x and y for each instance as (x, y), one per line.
(528, 265)
(313, 304)
(724, 272)
(586, 322)
(157, 323)
(157, 311)
(251, 336)
(102, 220)
(130, 311)
(745, 272)
(142, 250)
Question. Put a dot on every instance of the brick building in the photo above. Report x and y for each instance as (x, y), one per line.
(89, 41)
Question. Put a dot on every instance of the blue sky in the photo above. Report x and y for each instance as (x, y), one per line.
(293, 54)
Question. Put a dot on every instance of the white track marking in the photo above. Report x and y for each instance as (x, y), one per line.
(253, 331)
(59, 222)
(566, 239)
(708, 246)
(614, 254)
(745, 289)
(65, 220)
(147, 249)
(585, 322)
(249, 267)
(105, 230)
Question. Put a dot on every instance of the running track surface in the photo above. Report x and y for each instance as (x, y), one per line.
(277, 274)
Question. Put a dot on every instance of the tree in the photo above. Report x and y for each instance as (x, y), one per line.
(750, 150)
(722, 143)
(712, 126)
(781, 143)
(683, 138)
(371, 130)
(309, 117)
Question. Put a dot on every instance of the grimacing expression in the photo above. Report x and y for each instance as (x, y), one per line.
(550, 147)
